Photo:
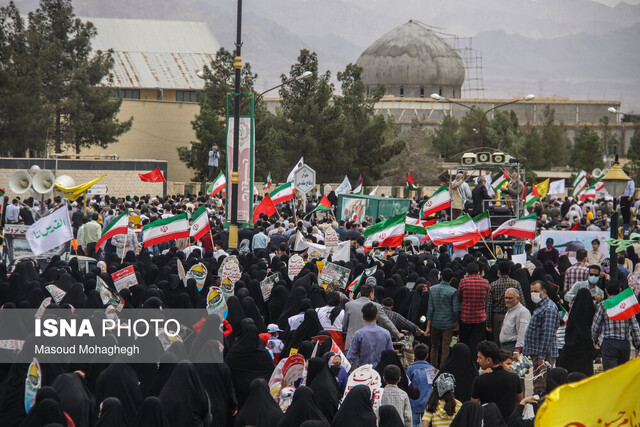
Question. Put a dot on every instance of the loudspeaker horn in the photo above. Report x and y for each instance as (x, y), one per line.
(65, 181)
(596, 173)
(43, 182)
(20, 182)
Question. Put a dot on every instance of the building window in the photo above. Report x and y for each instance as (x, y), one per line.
(401, 90)
(421, 92)
(127, 93)
(186, 96)
(440, 91)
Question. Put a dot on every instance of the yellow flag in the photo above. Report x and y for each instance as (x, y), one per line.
(543, 187)
(612, 399)
(73, 193)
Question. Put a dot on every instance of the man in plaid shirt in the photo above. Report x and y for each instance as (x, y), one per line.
(472, 293)
(578, 272)
(615, 334)
(540, 342)
(496, 307)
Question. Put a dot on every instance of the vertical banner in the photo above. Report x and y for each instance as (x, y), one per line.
(245, 167)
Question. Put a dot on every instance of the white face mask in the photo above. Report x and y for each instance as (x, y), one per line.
(535, 297)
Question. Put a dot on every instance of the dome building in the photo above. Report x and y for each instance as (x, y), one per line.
(412, 61)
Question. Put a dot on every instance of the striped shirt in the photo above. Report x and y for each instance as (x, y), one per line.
(440, 418)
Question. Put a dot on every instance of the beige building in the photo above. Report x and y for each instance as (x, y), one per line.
(155, 72)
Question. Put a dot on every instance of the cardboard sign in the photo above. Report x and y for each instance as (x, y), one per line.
(331, 238)
(266, 286)
(230, 269)
(216, 304)
(56, 293)
(296, 264)
(293, 369)
(124, 278)
(45, 303)
(107, 296)
(32, 384)
(226, 287)
(199, 273)
(333, 272)
(181, 273)
(368, 376)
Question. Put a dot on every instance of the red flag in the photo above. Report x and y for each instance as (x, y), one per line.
(153, 176)
(575, 226)
(266, 206)
(325, 202)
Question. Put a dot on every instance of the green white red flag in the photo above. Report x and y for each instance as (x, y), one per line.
(217, 185)
(389, 232)
(118, 225)
(483, 224)
(532, 197)
(269, 182)
(440, 200)
(579, 182)
(462, 229)
(163, 230)
(199, 223)
(524, 228)
(622, 306)
(323, 205)
(415, 225)
(283, 193)
(353, 286)
(411, 185)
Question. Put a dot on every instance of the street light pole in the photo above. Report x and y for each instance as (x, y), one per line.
(484, 116)
(303, 76)
(233, 227)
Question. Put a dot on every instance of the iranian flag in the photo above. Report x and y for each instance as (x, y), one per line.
(217, 185)
(323, 205)
(524, 228)
(592, 190)
(483, 224)
(163, 230)
(579, 182)
(199, 223)
(411, 185)
(353, 286)
(501, 180)
(269, 182)
(414, 225)
(622, 306)
(118, 225)
(532, 197)
(459, 230)
(440, 200)
(389, 232)
(283, 193)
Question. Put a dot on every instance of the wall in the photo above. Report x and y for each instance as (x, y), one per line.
(122, 175)
(159, 128)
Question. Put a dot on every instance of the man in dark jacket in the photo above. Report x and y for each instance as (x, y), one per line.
(479, 195)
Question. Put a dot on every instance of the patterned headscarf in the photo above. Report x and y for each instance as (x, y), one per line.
(445, 382)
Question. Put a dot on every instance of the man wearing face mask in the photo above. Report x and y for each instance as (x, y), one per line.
(540, 341)
(591, 283)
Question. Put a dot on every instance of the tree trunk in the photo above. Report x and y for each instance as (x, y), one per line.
(57, 139)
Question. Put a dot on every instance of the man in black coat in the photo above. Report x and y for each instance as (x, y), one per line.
(479, 195)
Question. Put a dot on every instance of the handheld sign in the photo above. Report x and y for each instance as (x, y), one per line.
(368, 376)
(124, 278)
(266, 286)
(181, 274)
(56, 293)
(230, 269)
(199, 273)
(32, 384)
(216, 304)
(293, 369)
(331, 238)
(296, 263)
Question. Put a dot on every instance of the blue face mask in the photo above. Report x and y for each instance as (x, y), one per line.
(594, 279)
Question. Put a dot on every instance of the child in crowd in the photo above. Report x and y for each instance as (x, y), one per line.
(442, 405)
(392, 395)
(274, 343)
(421, 375)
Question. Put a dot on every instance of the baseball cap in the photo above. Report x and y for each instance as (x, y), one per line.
(273, 328)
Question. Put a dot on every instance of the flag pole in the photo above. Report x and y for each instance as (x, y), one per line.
(490, 251)
(124, 248)
(211, 236)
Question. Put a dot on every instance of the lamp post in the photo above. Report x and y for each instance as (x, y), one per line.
(304, 76)
(484, 116)
(615, 182)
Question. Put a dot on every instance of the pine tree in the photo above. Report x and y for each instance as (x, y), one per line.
(587, 151)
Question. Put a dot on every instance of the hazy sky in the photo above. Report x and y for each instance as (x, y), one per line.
(615, 2)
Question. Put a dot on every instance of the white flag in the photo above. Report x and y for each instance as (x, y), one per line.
(344, 187)
(49, 232)
(298, 165)
(556, 187)
(373, 192)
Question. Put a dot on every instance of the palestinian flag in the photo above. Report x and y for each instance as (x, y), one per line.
(440, 200)
(1, 192)
(358, 189)
(269, 183)
(199, 223)
(266, 206)
(533, 197)
(459, 230)
(283, 193)
(217, 185)
(414, 225)
(118, 225)
(411, 185)
(579, 182)
(163, 230)
(524, 228)
(353, 286)
(323, 205)
(389, 232)
(501, 181)
(622, 306)
(563, 314)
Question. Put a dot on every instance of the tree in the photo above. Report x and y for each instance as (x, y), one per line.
(502, 131)
(633, 153)
(587, 150)
(446, 141)
(417, 157)
(210, 124)
(554, 148)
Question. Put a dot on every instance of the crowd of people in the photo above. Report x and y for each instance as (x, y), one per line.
(451, 337)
